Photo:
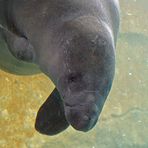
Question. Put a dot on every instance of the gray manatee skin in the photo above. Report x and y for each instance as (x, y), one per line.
(73, 42)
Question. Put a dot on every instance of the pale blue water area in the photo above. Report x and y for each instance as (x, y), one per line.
(124, 119)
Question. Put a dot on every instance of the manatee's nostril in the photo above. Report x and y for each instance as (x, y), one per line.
(80, 118)
(86, 118)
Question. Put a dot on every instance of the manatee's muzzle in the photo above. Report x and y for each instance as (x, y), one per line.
(82, 117)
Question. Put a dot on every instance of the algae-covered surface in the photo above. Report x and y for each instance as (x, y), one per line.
(124, 120)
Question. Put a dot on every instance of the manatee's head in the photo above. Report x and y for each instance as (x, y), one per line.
(88, 70)
(79, 58)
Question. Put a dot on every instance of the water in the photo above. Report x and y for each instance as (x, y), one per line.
(123, 122)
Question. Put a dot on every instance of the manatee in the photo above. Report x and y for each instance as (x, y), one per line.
(72, 42)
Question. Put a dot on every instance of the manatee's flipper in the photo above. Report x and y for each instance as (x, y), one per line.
(18, 45)
(51, 119)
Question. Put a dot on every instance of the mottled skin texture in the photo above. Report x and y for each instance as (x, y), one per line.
(73, 43)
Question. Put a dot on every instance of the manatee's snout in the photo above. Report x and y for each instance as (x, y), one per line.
(82, 117)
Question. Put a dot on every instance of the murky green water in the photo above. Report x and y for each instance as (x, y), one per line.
(124, 120)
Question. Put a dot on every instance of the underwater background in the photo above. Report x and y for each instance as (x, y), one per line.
(124, 119)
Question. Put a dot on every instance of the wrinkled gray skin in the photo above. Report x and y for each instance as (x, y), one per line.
(73, 43)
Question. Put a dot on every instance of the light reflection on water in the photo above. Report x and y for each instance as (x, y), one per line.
(123, 123)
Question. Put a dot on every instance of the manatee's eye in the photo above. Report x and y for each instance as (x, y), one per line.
(74, 77)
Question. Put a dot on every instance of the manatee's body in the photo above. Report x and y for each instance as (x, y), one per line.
(73, 43)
